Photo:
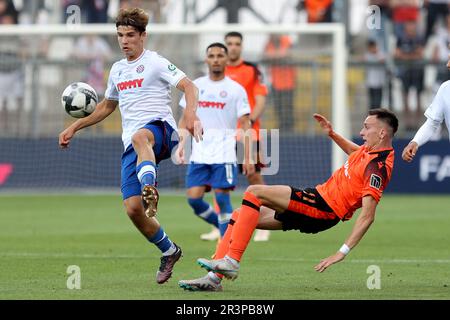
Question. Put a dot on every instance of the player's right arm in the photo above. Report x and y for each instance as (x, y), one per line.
(362, 224)
(422, 136)
(435, 116)
(103, 110)
(184, 134)
(346, 145)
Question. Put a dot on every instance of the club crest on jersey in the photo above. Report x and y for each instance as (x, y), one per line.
(375, 181)
(140, 69)
(171, 67)
(223, 94)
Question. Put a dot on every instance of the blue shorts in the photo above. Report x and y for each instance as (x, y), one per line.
(130, 185)
(216, 176)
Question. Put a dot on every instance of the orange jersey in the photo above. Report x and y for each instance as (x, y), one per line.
(283, 76)
(365, 173)
(248, 76)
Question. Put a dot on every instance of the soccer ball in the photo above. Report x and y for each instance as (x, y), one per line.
(79, 99)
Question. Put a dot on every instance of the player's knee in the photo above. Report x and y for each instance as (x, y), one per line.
(256, 189)
(134, 211)
(141, 138)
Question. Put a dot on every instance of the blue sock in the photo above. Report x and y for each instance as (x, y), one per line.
(226, 209)
(162, 241)
(146, 173)
(203, 210)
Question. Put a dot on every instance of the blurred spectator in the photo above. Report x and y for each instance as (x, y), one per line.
(381, 34)
(435, 10)
(283, 77)
(317, 10)
(96, 11)
(409, 55)
(130, 3)
(375, 75)
(92, 11)
(96, 52)
(441, 51)
(8, 12)
(402, 12)
(33, 12)
(11, 73)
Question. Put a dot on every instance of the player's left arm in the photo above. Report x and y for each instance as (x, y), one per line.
(192, 122)
(362, 224)
(260, 92)
(260, 106)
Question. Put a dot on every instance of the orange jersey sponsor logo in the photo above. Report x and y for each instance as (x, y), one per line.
(365, 173)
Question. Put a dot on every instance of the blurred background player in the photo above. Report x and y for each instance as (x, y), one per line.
(248, 75)
(357, 184)
(375, 75)
(213, 163)
(140, 85)
(277, 52)
(436, 113)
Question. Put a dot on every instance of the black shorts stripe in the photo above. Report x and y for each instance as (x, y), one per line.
(249, 204)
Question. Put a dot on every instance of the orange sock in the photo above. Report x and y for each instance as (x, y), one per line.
(224, 244)
(244, 226)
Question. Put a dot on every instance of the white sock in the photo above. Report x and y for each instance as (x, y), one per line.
(170, 251)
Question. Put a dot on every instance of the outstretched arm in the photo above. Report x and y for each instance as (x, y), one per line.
(422, 136)
(103, 110)
(346, 145)
(362, 224)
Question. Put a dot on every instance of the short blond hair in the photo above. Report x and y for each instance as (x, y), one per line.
(133, 17)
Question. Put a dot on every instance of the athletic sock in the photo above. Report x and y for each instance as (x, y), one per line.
(162, 241)
(244, 226)
(224, 243)
(204, 211)
(146, 173)
(224, 201)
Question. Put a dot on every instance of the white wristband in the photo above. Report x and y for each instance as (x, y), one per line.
(344, 249)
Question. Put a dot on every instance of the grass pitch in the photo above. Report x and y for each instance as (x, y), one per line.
(40, 236)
